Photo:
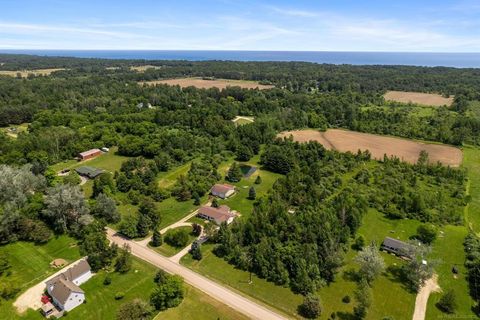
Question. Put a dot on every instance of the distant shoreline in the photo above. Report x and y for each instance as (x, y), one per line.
(426, 59)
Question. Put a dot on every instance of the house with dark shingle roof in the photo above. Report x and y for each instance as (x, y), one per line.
(64, 288)
(395, 246)
(89, 172)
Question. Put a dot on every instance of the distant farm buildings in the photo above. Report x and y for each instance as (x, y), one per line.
(89, 172)
(89, 154)
(222, 191)
(218, 215)
(64, 289)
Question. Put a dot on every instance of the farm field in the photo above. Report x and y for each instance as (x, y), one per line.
(25, 73)
(406, 150)
(426, 99)
(207, 84)
(143, 68)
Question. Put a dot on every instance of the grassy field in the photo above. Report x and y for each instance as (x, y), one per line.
(109, 161)
(206, 84)
(472, 164)
(25, 73)
(31, 264)
(168, 179)
(167, 250)
(13, 130)
(199, 306)
(219, 270)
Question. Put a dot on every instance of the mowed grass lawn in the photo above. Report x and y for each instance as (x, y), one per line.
(168, 179)
(30, 264)
(167, 250)
(280, 298)
(109, 161)
(138, 284)
(199, 306)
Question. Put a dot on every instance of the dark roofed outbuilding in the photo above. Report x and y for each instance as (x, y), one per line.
(89, 172)
(395, 246)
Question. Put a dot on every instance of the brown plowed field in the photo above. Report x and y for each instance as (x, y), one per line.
(426, 99)
(406, 150)
(206, 84)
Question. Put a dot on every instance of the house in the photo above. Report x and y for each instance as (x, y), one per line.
(395, 246)
(89, 172)
(64, 288)
(217, 215)
(222, 190)
(89, 154)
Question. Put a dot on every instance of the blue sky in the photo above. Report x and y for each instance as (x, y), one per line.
(336, 25)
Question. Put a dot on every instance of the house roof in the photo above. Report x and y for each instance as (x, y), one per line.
(222, 188)
(71, 273)
(91, 172)
(62, 290)
(394, 243)
(219, 214)
(89, 152)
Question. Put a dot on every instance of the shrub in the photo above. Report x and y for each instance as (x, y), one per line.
(346, 299)
(310, 308)
(177, 238)
(119, 295)
(107, 281)
(427, 233)
(447, 302)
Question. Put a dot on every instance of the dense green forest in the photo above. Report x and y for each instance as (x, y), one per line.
(298, 234)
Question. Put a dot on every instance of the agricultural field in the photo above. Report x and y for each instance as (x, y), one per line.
(207, 84)
(13, 130)
(144, 68)
(404, 149)
(425, 99)
(25, 73)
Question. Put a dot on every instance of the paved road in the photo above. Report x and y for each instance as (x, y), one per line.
(213, 289)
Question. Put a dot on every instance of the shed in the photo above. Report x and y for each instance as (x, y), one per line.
(395, 246)
(89, 172)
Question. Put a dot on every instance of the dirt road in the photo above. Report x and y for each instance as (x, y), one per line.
(422, 298)
(213, 289)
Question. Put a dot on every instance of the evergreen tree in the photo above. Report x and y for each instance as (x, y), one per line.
(157, 239)
(447, 302)
(234, 173)
(258, 180)
(196, 251)
(124, 260)
(252, 194)
(311, 307)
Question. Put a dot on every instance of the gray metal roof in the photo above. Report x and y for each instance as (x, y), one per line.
(90, 172)
(394, 243)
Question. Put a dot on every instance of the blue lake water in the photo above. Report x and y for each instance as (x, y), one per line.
(459, 60)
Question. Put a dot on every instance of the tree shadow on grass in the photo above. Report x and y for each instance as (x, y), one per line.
(397, 275)
(345, 316)
(351, 275)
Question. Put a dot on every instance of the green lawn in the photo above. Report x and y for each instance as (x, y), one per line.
(31, 264)
(19, 128)
(471, 162)
(239, 201)
(199, 306)
(109, 161)
(167, 250)
(168, 179)
(219, 270)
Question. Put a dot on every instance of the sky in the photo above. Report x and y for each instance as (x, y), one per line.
(296, 25)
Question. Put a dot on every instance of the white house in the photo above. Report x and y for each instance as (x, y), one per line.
(64, 288)
(223, 190)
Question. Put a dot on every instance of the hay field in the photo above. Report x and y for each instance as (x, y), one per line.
(25, 73)
(143, 68)
(426, 99)
(406, 150)
(207, 84)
